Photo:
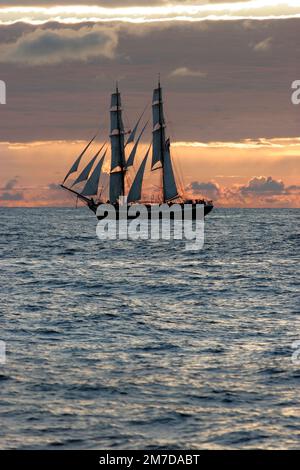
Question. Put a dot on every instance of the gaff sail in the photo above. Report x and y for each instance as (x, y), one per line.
(170, 188)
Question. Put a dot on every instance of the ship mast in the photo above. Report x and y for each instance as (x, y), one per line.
(162, 136)
(161, 148)
(117, 170)
(120, 143)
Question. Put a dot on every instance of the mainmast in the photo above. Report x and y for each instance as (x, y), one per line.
(161, 147)
(162, 136)
(117, 171)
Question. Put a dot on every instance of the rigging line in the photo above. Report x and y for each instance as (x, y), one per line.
(106, 186)
(137, 122)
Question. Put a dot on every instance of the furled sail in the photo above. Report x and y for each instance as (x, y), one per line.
(170, 189)
(86, 171)
(116, 132)
(134, 149)
(158, 128)
(117, 148)
(75, 165)
(91, 186)
(136, 187)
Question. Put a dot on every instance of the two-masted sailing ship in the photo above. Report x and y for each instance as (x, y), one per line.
(88, 179)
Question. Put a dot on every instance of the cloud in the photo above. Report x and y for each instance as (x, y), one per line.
(294, 189)
(261, 143)
(8, 194)
(229, 106)
(11, 196)
(263, 46)
(186, 72)
(260, 191)
(54, 186)
(173, 11)
(263, 185)
(10, 184)
(209, 188)
(54, 46)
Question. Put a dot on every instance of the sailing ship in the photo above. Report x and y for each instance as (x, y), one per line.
(120, 165)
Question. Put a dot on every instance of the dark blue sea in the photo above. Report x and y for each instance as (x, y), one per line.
(144, 345)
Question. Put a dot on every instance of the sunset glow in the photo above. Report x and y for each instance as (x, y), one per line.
(72, 14)
(219, 167)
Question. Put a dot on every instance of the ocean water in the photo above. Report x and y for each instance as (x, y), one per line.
(143, 345)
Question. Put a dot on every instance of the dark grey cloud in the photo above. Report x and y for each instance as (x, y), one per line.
(54, 186)
(8, 193)
(294, 189)
(209, 188)
(263, 185)
(50, 46)
(10, 184)
(11, 196)
(241, 93)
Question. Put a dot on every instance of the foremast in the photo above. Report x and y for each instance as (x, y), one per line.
(117, 170)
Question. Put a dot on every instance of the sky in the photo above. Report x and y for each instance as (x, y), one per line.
(226, 69)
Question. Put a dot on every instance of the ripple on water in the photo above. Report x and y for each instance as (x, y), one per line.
(145, 345)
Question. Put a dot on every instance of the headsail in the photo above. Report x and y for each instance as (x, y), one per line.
(136, 187)
(91, 186)
(75, 165)
(170, 189)
(86, 171)
(117, 148)
(134, 149)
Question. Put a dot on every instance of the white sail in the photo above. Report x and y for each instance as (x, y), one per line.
(158, 128)
(75, 165)
(116, 188)
(86, 171)
(136, 187)
(91, 186)
(170, 189)
(134, 149)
